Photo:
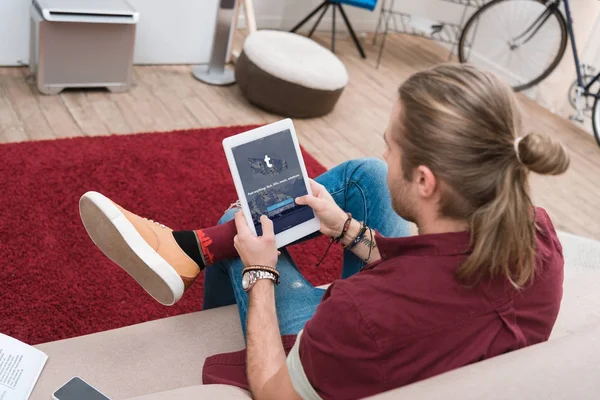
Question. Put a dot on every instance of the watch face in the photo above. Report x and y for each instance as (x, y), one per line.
(246, 281)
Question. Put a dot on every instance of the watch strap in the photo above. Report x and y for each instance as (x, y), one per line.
(261, 268)
(258, 274)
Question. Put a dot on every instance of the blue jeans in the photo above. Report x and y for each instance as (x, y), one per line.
(358, 187)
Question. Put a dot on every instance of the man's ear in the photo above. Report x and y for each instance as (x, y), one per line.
(426, 181)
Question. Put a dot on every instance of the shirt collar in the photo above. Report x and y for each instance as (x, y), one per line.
(438, 244)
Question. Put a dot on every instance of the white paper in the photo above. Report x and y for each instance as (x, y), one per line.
(20, 368)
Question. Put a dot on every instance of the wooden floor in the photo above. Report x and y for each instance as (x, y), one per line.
(167, 97)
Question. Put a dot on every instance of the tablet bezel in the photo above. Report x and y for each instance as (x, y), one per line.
(297, 232)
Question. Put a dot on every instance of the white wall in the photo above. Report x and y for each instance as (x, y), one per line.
(173, 31)
(285, 14)
(182, 32)
(14, 31)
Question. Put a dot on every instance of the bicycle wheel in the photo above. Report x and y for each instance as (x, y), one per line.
(596, 120)
(493, 39)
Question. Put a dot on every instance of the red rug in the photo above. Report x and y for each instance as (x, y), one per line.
(54, 283)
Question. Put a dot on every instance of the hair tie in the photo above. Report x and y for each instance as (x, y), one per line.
(517, 141)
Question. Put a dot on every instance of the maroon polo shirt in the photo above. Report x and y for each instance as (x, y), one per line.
(406, 318)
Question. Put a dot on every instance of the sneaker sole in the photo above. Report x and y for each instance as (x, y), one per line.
(118, 239)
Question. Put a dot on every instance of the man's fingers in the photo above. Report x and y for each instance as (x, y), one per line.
(240, 223)
(307, 200)
(319, 191)
(315, 187)
(267, 226)
(301, 200)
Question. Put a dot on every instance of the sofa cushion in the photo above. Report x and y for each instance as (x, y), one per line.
(198, 392)
(580, 252)
(145, 358)
(580, 307)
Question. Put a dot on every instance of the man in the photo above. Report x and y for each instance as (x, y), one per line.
(483, 277)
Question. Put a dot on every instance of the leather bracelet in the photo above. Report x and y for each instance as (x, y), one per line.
(344, 229)
(257, 267)
(263, 268)
(370, 247)
(336, 240)
(358, 237)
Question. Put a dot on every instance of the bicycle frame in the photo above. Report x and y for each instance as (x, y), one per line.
(586, 88)
(530, 32)
(536, 25)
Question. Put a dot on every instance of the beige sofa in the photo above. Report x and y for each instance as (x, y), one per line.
(163, 359)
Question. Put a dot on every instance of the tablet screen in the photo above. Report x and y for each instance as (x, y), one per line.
(272, 178)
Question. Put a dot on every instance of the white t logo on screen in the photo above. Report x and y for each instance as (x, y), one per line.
(268, 161)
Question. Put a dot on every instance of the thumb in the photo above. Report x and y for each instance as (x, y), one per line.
(307, 200)
(267, 226)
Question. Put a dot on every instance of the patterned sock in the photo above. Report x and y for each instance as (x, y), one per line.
(209, 245)
(216, 242)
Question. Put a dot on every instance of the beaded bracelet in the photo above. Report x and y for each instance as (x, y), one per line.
(344, 229)
(256, 267)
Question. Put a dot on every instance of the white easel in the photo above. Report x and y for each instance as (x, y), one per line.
(250, 25)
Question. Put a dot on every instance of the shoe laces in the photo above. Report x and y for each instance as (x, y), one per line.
(155, 222)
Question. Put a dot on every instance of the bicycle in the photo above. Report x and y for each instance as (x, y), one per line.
(538, 30)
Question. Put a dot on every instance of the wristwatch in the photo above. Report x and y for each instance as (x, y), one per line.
(251, 277)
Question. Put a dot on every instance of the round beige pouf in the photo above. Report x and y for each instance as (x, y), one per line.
(289, 74)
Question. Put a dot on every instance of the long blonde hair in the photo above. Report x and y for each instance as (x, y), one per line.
(465, 125)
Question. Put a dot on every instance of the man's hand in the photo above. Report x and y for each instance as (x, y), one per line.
(254, 250)
(267, 371)
(332, 222)
(331, 215)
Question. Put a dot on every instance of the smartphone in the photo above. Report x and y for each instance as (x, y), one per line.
(78, 389)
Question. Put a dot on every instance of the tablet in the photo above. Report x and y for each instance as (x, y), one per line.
(269, 173)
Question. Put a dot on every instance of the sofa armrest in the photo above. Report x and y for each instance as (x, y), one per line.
(141, 359)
